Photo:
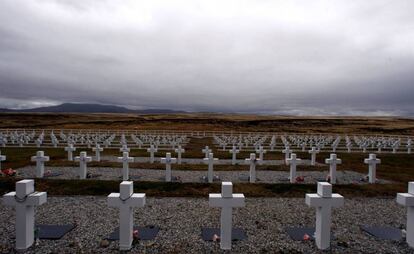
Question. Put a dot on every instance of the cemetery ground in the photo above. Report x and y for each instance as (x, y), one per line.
(181, 209)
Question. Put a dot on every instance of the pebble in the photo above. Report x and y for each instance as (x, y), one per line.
(263, 219)
(188, 176)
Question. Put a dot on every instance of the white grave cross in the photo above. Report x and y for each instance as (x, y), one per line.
(293, 162)
(24, 199)
(226, 200)
(287, 152)
(83, 160)
(152, 150)
(125, 159)
(206, 151)
(126, 200)
(40, 159)
(210, 160)
(97, 149)
(70, 149)
(168, 161)
(323, 201)
(261, 151)
(332, 161)
(372, 162)
(252, 161)
(313, 153)
(407, 199)
(234, 151)
(179, 151)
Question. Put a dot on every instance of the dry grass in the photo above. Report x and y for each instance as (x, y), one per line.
(217, 122)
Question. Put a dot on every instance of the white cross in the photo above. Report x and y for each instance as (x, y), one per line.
(83, 160)
(206, 151)
(252, 161)
(293, 162)
(38, 142)
(323, 201)
(332, 161)
(97, 149)
(287, 152)
(179, 151)
(124, 148)
(407, 199)
(152, 150)
(2, 158)
(125, 159)
(226, 200)
(40, 159)
(348, 147)
(395, 148)
(261, 151)
(272, 146)
(126, 200)
(70, 149)
(168, 161)
(210, 160)
(303, 145)
(24, 199)
(372, 162)
(379, 148)
(364, 148)
(313, 153)
(234, 153)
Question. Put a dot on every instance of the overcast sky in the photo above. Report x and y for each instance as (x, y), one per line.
(282, 57)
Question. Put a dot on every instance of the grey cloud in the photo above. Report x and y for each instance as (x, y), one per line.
(328, 57)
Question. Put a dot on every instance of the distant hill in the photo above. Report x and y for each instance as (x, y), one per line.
(89, 108)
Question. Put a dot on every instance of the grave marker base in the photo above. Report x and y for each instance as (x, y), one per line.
(53, 232)
(384, 233)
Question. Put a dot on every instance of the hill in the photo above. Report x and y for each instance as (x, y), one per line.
(89, 108)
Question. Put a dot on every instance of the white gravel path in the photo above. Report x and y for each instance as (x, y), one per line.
(180, 221)
(265, 176)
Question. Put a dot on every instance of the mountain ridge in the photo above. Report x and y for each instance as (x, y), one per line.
(89, 108)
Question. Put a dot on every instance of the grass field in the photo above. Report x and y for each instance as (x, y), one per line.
(211, 122)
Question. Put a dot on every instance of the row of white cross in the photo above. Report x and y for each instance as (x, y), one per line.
(24, 199)
(242, 141)
(291, 160)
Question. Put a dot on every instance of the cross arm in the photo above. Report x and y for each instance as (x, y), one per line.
(314, 200)
(8, 199)
(405, 199)
(37, 198)
(136, 200)
(216, 200)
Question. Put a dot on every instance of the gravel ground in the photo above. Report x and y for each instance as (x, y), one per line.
(180, 221)
(201, 161)
(106, 173)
